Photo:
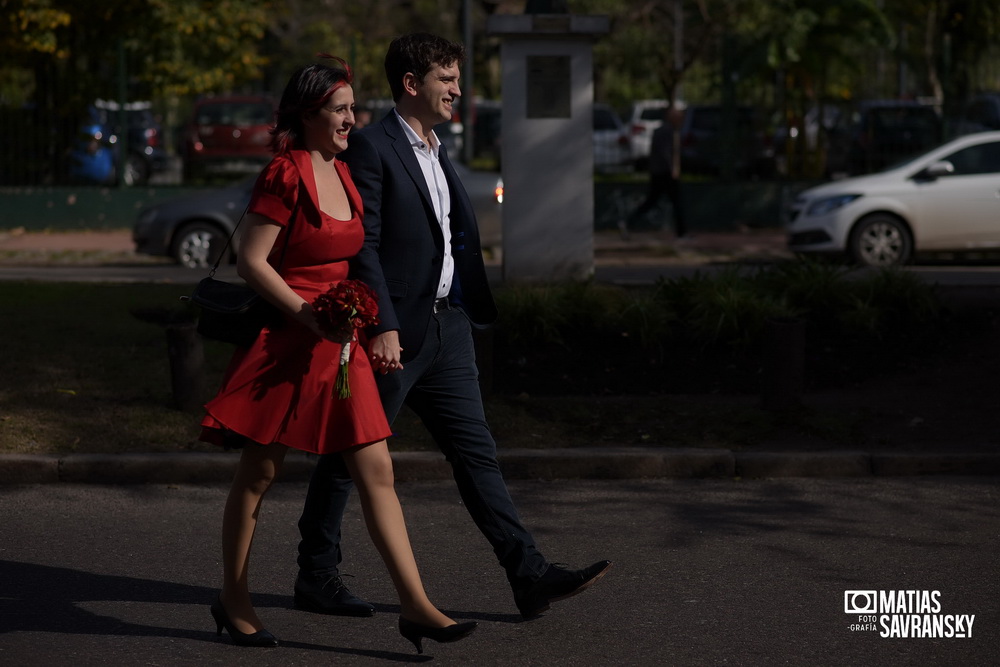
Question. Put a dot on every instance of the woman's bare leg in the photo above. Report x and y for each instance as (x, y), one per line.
(371, 469)
(257, 469)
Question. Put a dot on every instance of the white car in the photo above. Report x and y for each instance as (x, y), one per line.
(643, 119)
(946, 200)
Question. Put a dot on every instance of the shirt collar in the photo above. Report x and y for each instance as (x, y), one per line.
(415, 140)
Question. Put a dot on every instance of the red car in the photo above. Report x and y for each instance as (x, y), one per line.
(228, 136)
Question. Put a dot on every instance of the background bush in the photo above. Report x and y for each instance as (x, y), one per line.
(704, 333)
(80, 372)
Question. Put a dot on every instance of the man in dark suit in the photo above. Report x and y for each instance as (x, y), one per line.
(422, 257)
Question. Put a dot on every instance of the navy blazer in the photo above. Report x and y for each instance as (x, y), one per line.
(404, 247)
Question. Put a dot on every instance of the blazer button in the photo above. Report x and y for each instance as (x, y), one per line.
(436, 260)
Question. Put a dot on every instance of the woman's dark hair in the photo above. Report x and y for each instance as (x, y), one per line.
(306, 93)
(417, 53)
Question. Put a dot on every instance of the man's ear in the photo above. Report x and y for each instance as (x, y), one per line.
(410, 83)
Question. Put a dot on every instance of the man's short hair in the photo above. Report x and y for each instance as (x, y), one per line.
(417, 53)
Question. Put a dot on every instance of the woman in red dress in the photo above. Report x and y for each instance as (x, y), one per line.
(279, 392)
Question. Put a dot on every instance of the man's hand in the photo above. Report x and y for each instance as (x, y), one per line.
(384, 352)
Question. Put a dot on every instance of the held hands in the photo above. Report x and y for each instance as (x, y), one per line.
(384, 352)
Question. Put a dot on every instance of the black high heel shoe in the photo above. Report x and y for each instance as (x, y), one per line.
(451, 633)
(261, 638)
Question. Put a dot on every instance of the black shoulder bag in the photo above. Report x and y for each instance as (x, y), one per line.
(235, 313)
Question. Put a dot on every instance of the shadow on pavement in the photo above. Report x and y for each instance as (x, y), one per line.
(40, 598)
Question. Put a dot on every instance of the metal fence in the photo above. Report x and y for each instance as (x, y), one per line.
(105, 144)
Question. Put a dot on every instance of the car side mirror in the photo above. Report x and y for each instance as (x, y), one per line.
(938, 169)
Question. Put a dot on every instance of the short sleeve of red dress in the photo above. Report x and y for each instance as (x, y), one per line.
(276, 190)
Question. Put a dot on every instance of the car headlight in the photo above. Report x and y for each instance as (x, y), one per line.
(828, 204)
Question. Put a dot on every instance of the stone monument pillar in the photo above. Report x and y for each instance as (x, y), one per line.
(547, 151)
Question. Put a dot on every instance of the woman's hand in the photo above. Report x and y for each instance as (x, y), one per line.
(341, 336)
(384, 352)
(252, 265)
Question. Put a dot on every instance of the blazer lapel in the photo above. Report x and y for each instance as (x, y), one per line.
(404, 151)
(461, 206)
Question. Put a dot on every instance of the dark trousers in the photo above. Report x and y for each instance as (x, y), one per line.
(660, 185)
(441, 386)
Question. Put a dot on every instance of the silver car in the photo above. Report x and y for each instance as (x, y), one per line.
(193, 230)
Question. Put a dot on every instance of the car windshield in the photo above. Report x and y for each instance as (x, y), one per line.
(978, 159)
(902, 119)
(902, 163)
(907, 161)
(603, 120)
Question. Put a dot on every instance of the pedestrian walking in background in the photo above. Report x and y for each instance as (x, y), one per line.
(664, 178)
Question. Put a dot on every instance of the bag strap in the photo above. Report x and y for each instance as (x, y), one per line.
(284, 247)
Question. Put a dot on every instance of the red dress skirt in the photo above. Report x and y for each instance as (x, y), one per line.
(281, 388)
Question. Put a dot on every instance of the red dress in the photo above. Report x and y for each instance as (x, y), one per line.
(281, 388)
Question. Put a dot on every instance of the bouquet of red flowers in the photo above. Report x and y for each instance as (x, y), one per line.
(349, 302)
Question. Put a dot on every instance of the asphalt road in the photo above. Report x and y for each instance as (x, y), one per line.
(707, 572)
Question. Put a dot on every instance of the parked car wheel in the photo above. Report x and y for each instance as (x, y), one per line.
(881, 240)
(197, 245)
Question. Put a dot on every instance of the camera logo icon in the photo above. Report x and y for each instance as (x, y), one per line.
(860, 602)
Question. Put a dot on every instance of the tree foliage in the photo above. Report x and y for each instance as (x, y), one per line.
(946, 42)
(778, 53)
(190, 47)
(360, 33)
(28, 27)
(185, 48)
(169, 47)
(819, 49)
(357, 32)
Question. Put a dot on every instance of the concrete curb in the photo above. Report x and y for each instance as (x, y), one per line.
(544, 464)
(948, 463)
(803, 464)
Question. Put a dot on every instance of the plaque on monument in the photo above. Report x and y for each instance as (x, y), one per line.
(548, 82)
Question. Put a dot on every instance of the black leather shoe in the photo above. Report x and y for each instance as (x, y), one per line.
(329, 596)
(558, 583)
